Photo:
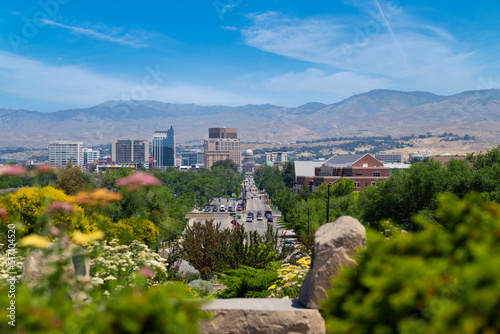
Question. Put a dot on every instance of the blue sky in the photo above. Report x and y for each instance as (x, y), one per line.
(59, 54)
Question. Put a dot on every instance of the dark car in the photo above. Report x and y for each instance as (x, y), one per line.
(208, 209)
(214, 209)
(229, 209)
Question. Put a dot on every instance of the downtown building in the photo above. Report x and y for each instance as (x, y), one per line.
(62, 152)
(90, 155)
(222, 144)
(276, 157)
(164, 149)
(130, 151)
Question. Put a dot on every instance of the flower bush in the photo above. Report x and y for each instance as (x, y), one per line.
(36, 208)
(290, 278)
(114, 266)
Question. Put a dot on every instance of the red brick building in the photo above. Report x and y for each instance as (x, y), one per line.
(363, 169)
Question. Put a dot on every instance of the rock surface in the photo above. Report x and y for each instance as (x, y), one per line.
(37, 265)
(261, 315)
(334, 243)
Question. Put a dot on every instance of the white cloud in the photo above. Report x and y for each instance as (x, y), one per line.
(134, 38)
(75, 86)
(394, 50)
(315, 80)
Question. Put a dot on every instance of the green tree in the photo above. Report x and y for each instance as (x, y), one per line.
(72, 180)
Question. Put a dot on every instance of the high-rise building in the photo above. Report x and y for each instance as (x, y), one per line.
(89, 155)
(276, 157)
(192, 157)
(164, 148)
(222, 144)
(124, 151)
(62, 152)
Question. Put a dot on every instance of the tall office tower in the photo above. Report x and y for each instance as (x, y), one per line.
(222, 144)
(89, 155)
(124, 151)
(61, 152)
(164, 148)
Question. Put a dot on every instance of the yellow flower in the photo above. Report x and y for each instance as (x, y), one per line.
(287, 285)
(272, 287)
(81, 238)
(34, 240)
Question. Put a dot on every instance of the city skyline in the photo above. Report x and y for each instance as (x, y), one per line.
(58, 55)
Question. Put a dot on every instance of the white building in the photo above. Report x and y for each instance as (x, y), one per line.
(276, 157)
(89, 155)
(62, 152)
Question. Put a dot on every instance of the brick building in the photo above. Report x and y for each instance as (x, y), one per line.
(363, 169)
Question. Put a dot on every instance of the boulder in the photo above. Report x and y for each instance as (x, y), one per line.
(334, 243)
(261, 315)
(37, 265)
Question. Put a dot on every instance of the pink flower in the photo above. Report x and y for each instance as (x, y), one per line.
(14, 170)
(42, 169)
(3, 213)
(138, 180)
(64, 207)
(148, 272)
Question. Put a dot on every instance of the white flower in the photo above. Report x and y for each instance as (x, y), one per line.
(110, 277)
(97, 280)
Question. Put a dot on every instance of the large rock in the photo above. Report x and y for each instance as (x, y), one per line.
(261, 315)
(334, 243)
(37, 264)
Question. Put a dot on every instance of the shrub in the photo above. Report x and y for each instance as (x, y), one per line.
(29, 207)
(443, 279)
(290, 278)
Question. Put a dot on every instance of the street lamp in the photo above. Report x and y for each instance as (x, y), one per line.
(408, 203)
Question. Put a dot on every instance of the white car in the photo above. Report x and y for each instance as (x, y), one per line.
(222, 208)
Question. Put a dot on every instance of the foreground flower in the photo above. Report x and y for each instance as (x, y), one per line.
(3, 213)
(34, 240)
(13, 170)
(99, 197)
(43, 169)
(138, 180)
(82, 239)
(147, 272)
(63, 207)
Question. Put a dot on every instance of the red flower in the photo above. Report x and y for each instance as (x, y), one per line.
(138, 180)
(64, 207)
(14, 170)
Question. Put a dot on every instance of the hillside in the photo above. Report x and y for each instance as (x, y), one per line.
(378, 112)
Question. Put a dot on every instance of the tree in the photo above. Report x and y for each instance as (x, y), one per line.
(226, 164)
(72, 180)
(204, 246)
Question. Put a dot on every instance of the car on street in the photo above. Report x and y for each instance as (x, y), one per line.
(249, 218)
(229, 209)
(239, 207)
(259, 215)
(214, 209)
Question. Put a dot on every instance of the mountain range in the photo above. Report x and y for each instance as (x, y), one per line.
(378, 112)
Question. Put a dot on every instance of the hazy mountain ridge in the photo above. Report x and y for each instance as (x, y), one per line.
(382, 112)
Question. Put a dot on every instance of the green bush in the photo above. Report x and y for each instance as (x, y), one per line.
(248, 282)
(443, 279)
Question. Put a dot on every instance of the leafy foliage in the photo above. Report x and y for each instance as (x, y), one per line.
(443, 279)
(248, 282)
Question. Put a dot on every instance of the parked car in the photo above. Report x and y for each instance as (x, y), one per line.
(208, 209)
(222, 208)
(229, 209)
(239, 207)
(214, 209)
